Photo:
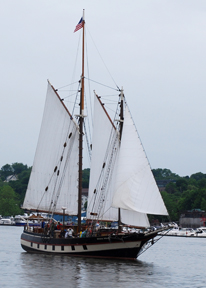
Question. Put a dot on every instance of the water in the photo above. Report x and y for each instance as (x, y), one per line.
(171, 262)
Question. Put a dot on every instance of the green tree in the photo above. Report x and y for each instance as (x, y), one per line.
(187, 200)
(203, 204)
(18, 168)
(198, 176)
(21, 184)
(163, 174)
(9, 204)
(192, 181)
(85, 178)
(6, 171)
(201, 183)
(182, 184)
(170, 201)
(171, 188)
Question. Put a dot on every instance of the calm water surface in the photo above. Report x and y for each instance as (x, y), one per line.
(171, 262)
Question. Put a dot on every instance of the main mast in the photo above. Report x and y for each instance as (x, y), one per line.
(81, 122)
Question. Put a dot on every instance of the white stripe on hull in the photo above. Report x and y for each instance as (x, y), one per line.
(79, 248)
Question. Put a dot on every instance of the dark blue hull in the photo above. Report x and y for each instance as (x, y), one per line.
(124, 246)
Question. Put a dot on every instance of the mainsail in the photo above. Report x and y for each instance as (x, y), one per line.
(135, 187)
(105, 152)
(55, 167)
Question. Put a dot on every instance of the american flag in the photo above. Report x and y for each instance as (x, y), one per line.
(79, 25)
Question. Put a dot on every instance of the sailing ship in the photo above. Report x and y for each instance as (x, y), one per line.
(121, 187)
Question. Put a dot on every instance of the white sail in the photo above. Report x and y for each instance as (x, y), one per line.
(103, 133)
(57, 129)
(135, 188)
(134, 218)
(100, 202)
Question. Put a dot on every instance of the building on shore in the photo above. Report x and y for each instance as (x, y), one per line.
(11, 178)
(193, 218)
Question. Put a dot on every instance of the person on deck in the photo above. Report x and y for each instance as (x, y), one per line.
(69, 233)
(59, 226)
(42, 224)
(52, 228)
(83, 235)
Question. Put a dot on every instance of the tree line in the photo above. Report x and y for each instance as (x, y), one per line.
(12, 193)
(179, 193)
(182, 193)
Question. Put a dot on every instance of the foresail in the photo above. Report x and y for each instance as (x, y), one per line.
(135, 187)
(105, 150)
(53, 181)
(104, 137)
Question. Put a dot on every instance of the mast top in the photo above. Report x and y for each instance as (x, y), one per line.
(122, 93)
(83, 15)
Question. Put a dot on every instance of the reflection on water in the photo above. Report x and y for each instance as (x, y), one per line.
(172, 262)
(83, 272)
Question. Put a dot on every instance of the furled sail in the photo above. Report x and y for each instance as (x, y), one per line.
(135, 187)
(105, 150)
(53, 182)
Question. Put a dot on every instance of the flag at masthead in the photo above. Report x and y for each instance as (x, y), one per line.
(79, 25)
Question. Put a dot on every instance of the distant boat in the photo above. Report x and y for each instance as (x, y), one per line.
(122, 187)
(7, 221)
(20, 220)
(201, 232)
(181, 232)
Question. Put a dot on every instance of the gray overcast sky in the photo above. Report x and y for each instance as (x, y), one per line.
(154, 48)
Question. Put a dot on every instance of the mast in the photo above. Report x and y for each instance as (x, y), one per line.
(120, 132)
(81, 122)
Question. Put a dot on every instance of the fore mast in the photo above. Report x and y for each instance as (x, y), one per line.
(120, 132)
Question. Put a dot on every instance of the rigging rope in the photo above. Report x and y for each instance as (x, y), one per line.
(116, 89)
(103, 60)
(87, 140)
